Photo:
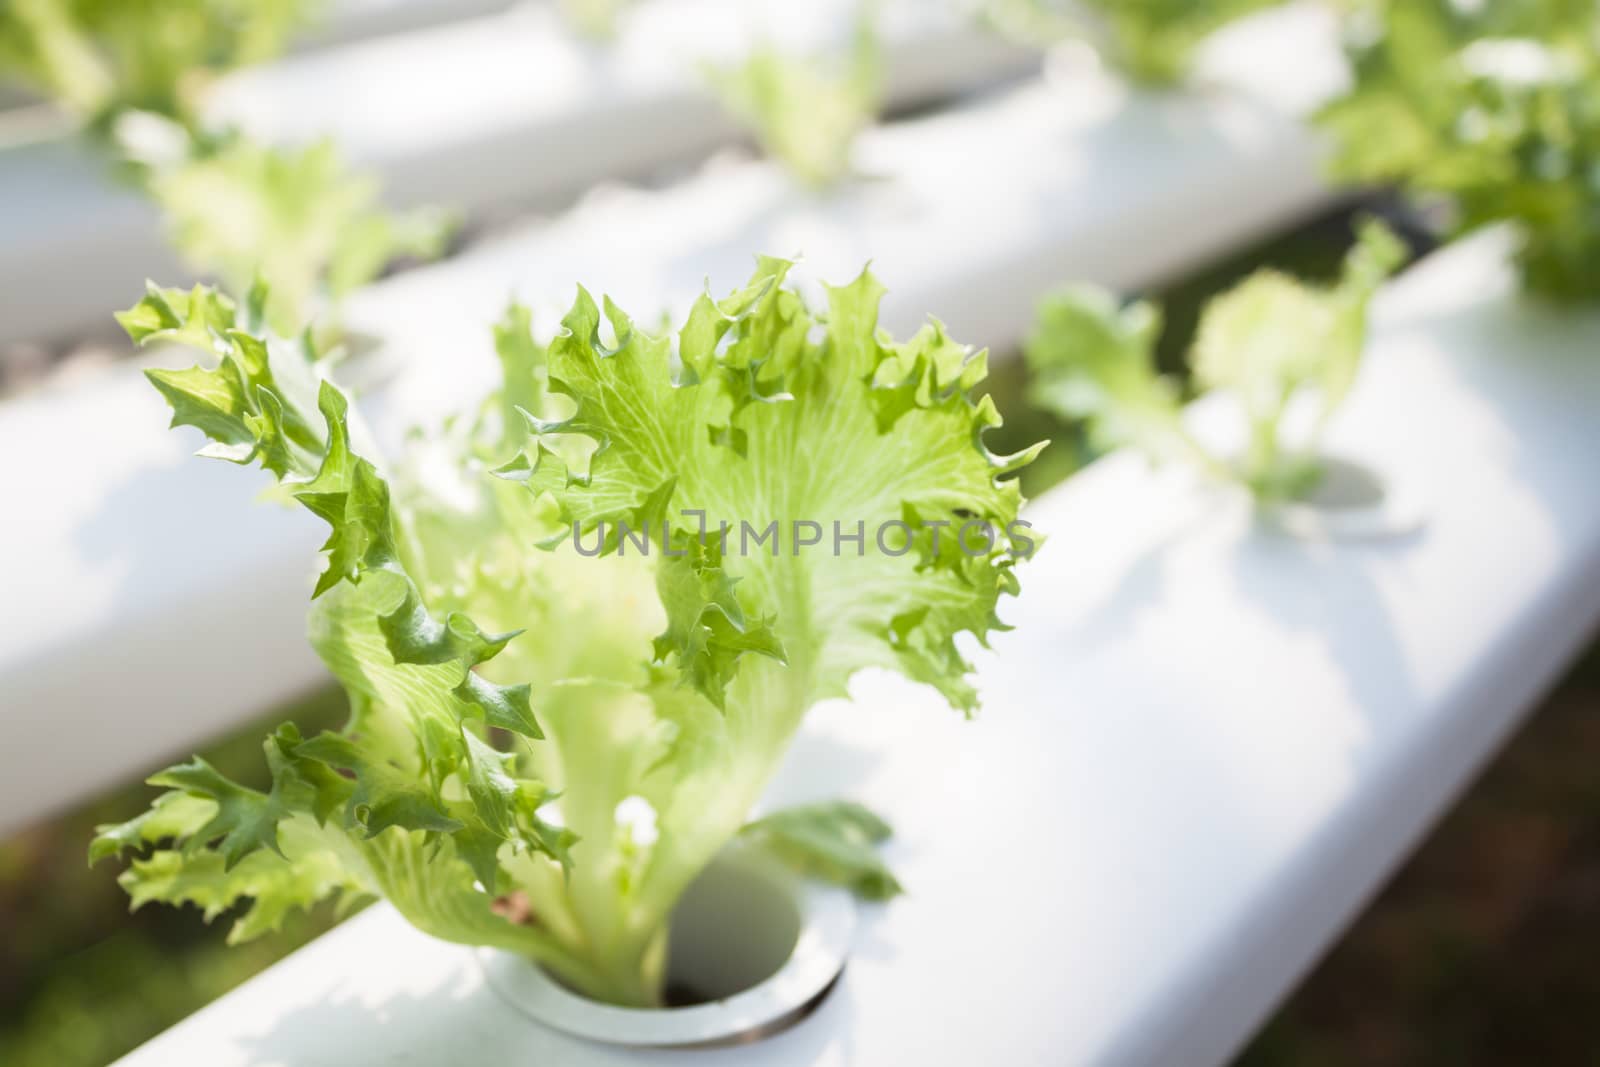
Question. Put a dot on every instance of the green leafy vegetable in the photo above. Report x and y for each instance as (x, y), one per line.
(1153, 41)
(1271, 342)
(807, 111)
(737, 518)
(1495, 107)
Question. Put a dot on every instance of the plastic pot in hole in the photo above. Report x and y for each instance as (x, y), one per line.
(1351, 502)
(755, 946)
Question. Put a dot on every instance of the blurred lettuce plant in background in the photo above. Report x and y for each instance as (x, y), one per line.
(1492, 109)
(1151, 41)
(100, 58)
(296, 215)
(134, 74)
(1268, 342)
(806, 111)
(595, 19)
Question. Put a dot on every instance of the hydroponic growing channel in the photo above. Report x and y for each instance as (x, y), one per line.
(626, 792)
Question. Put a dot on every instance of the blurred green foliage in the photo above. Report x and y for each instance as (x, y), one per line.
(1493, 107)
(1271, 341)
(99, 58)
(135, 74)
(1152, 41)
(807, 110)
(295, 216)
(1313, 252)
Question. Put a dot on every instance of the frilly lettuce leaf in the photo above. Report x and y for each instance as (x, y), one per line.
(413, 775)
(767, 417)
(274, 886)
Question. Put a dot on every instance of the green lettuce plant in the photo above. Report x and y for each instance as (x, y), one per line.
(1493, 108)
(806, 111)
(569, 734)
(1272, 342)
(135, 74)
(1152, 41)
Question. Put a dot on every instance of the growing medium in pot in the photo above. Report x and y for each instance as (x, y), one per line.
(580, 624)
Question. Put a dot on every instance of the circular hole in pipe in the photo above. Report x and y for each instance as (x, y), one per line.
(752, 949)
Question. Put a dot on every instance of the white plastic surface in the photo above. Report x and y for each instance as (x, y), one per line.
(505, 109)
(1201, 748)
(191, 594)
